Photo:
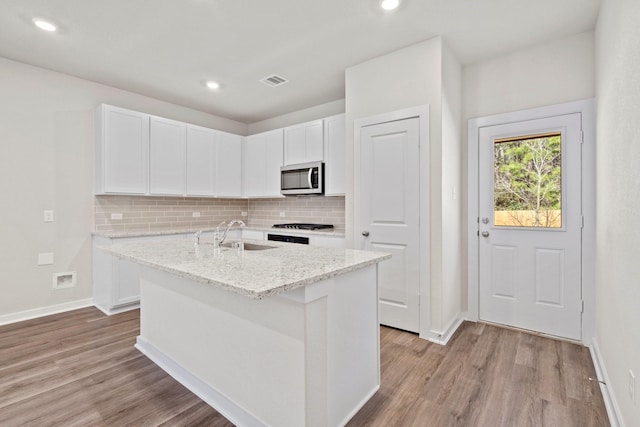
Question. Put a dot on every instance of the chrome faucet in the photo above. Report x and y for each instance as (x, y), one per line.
(196, 237)
(231, 224)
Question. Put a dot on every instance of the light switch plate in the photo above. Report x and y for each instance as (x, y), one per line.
(45, 258)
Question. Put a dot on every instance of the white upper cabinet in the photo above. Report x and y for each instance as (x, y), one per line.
(167, 156)
(262, 162)
(303, 143)
(228, 165)
(122, 151)
(334, 155)
(201, 161)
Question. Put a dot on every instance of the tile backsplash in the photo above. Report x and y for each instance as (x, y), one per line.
(147, 214)
(314, 209)
(155, 213)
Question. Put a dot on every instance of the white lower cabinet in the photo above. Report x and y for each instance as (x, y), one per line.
(116, 281)
(327, 241)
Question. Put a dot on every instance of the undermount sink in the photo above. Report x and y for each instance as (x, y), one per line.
(247, 246)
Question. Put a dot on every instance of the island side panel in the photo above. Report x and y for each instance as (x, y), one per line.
(250, 351)
(354, 343)
(342, 337)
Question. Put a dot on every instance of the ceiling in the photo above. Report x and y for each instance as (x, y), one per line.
(168, 49)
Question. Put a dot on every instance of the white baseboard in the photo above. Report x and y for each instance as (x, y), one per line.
(229, 409)
(110, 311)
(613, 410)
(359, 406)
(443, 338)
(20, 316)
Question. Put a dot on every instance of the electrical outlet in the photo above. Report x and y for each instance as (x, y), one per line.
(632, 385)
(196, 214)
(116, 216)
(243, 213)
(64, 280)
(282, 215)
(48, 216)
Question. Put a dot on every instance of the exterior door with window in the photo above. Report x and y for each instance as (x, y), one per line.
(530, 225)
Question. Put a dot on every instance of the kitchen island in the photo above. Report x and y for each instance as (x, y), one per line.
(284, 336)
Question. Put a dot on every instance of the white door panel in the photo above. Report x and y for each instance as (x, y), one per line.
(389, 212)
(529, 264)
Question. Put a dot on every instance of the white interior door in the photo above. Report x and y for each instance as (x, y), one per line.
(388, 212)
(530, 223)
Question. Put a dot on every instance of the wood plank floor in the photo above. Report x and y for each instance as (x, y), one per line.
(80, 369)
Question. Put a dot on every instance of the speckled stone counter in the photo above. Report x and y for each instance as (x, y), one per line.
(253, 273)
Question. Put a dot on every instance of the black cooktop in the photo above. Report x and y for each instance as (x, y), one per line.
(304, 226)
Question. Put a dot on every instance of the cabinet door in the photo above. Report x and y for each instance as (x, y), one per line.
(255, 165)
(167, 157)
(127, 287)
(201, 161)
(273, 159)
(327, 242)
(334, 157)
(262, 162)
(122, 152)
(303, 143)
(314, 141)
(228, 165)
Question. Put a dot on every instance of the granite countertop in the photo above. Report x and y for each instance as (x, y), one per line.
(288, 231)
(255, 274)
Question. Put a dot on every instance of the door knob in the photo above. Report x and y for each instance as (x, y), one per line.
(485, 234)
(365, 233)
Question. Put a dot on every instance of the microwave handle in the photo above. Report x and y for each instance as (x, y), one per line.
(309, 178)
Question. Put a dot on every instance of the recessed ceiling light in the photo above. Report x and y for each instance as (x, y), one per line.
(44, 25)
(389, 4)
(213, 85)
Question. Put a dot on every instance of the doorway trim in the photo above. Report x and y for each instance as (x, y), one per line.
(587, 109)
(422, 113)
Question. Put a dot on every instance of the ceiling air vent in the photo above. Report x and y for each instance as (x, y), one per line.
(274, 80)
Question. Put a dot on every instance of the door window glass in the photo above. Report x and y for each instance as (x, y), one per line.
(528, 181)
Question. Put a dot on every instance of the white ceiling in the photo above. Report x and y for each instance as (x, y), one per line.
(167, 49)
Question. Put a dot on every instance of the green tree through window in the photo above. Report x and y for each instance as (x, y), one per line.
(528, 181)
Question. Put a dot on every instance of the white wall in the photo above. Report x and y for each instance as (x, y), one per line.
(550, 73)
(618, 199)
(313, 113)
(405, 78)
(402, 79)
(46, 132)
(451, 182)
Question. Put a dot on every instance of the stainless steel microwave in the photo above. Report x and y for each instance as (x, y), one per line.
(302, 179)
